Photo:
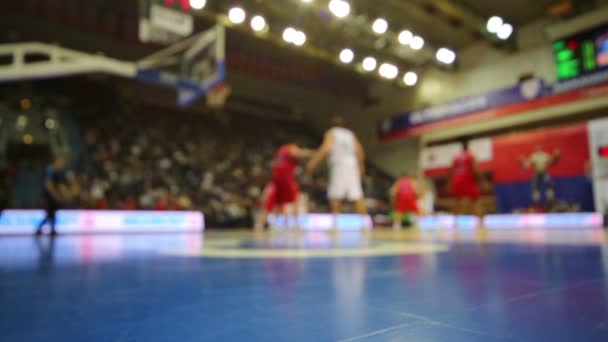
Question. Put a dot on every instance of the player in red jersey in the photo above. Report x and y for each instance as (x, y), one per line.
(283, 176)
(404, 194)
(463, 182)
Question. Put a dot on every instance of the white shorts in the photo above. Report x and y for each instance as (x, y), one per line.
(344, 182)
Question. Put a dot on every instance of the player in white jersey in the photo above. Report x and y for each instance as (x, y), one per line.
(346, 166)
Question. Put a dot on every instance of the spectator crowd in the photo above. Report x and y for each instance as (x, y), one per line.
(160, 161)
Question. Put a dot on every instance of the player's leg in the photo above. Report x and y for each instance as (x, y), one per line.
(354, 193)
(42, 223)
(335, 193)
(397, 220)
(261, 220)
(550, 191)
(47, 216)
(295, 200)
(536, 187)
(53, 218)
(282, 198)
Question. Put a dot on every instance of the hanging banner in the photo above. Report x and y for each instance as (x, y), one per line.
(522, 92)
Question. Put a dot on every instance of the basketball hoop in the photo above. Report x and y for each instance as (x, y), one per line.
(217, 96)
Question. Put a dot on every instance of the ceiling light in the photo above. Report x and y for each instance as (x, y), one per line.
(347, 56)
(505, 31)
(417, 43)
(258, 23)
(380, 26)
(410, 78)
(405, 37)
(494, 24)
(289, 34)
(369, 64)
(339, 8)
(307, 1)
(198, 4)
(446, 56)
(388, 71)
(236, 15)
(299, 39)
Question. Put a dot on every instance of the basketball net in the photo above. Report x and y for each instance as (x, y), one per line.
(217, 96)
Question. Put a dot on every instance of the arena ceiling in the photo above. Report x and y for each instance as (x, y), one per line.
(452, 24)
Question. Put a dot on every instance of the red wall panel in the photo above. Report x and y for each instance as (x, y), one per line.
(571, 141)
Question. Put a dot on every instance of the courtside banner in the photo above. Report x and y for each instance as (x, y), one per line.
(100, 221)
(324, 222)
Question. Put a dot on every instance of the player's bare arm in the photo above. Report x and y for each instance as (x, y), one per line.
(301, 153)
(321, 152)
(360, 156)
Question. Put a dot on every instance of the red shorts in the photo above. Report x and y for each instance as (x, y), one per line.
(465, 189)
(407, 204)
(286, 190)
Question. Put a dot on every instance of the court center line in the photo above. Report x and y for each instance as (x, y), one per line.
(539, 293)
(422, 320)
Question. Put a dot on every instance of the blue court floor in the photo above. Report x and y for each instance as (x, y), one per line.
(411, 286)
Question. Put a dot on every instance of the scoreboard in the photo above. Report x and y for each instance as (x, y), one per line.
(582, 54)
(164, 21)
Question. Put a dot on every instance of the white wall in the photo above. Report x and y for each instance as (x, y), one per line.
(483, 68)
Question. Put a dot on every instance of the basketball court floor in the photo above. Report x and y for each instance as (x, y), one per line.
(444, 285)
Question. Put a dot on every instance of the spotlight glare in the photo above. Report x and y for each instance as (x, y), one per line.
(339, 8)
(236, 15)
(347, 56)
(388, 71)
(505, 31)
(494, 24)
(258, 23)
(417, 43)
(405, 37)
(445, 56)
(369, 64)
(198, 4)
(300, 38)
(380, 26)
(289, 34)
(410, 78)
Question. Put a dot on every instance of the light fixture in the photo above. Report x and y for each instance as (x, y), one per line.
(198, 4)
(50, 123)
(380, 26)
(417, 43)
(446, 56)
(369, 64)
(307, 1)
(258, 23)
(299, 39)
(405, 37)
(289, 34)
(494, 24)
(339, 8)
(505, 31)
(347, 56)
(388, 71)
(410, 78)
(236, 15)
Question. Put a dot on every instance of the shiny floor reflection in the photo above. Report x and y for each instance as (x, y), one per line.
(474, 286)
